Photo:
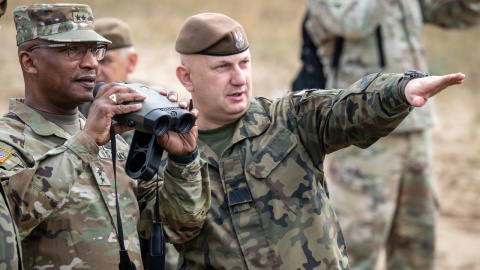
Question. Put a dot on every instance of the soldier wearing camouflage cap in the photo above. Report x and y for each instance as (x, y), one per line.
(270, 208)
(63, 187)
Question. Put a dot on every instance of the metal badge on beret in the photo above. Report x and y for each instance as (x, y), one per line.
(239, 42)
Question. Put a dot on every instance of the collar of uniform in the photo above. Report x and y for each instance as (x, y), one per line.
(253, 123)
(35, 121)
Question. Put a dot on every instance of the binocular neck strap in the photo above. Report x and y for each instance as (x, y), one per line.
(125, 262)
(156, 242)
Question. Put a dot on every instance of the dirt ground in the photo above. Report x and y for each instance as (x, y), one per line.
(274, 34)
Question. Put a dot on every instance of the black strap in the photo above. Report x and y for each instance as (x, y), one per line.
(125, 262)
(156, 242)
(336, 57)
(311, 74)
(381, 54)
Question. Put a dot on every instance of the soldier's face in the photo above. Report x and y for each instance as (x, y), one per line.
(63, 83)
(116, 65)
(221, 86)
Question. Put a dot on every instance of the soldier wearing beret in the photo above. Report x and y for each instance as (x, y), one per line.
(62, 183)
(270, 207)
(119, 62)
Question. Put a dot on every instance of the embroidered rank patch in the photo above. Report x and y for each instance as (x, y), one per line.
(79, 17)
(4, 154)
(100, 176)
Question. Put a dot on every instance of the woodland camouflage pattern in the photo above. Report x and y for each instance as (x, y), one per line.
(270, 206)
(61, 190)
(385, 195)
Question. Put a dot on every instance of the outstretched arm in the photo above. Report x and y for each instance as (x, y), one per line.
(417, 91)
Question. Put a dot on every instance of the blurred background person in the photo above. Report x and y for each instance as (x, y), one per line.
(384, 195)
(120, 59)
(119, 62)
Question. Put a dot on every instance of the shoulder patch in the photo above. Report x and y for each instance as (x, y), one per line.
(4, 154)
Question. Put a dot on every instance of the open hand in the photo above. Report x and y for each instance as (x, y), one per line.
(417, 91)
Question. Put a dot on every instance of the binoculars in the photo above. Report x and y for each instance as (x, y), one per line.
(157, 116)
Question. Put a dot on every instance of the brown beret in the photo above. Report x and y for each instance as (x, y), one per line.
(211, 34)
(115, 30)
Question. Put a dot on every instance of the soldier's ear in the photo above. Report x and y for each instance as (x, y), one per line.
(132, 62)
(27, 62)
(183, 75)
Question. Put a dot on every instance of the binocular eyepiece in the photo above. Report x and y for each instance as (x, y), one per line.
(158, 114)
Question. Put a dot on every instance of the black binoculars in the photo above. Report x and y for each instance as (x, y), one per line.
(157, 116)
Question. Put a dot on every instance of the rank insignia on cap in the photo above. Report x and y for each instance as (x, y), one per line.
(80, 17)
(239, 41)
(4, 155)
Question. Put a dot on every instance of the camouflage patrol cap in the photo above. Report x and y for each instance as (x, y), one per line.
(211, 34)
(115, 30)
(55, 22)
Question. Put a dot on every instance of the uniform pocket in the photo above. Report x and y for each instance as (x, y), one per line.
(283, 166)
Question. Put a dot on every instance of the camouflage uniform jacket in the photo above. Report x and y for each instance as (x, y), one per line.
(401, 23)
(10, 250)
(61, 191)
(270, 208)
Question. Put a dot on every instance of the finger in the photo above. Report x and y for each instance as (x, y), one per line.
(184, 103)
(122, 97)
(126, 108)
(172, 96)
(194, 112)
(159, 89)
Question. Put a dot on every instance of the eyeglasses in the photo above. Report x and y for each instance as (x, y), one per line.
(77, 51)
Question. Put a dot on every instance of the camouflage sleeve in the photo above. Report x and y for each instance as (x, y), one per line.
(184, 200)
(451, 13)
(36, 189)
(347, 18)
(369, 109)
